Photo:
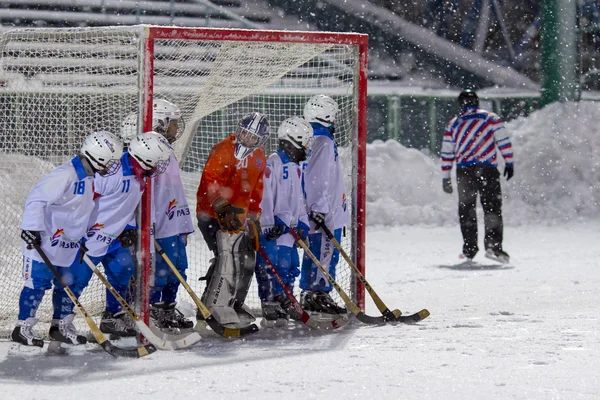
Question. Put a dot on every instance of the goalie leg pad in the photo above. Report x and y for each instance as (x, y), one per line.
(244, 260)
(230, 281)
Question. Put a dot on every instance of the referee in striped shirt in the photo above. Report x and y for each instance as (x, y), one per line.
(473, 140)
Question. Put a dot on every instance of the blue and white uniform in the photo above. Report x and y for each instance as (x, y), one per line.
(117, 198)
(173, 223)
(58, 207)
(282, 204)
(323, 183)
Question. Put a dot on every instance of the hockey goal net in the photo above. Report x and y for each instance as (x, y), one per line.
(58, 85)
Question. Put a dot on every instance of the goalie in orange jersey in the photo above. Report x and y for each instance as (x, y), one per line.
(228, 211)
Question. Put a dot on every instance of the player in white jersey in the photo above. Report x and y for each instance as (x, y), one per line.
(112, 229)
(325, 193)
(172, 219)
(282, 208)
(56, 213)
(173, 223)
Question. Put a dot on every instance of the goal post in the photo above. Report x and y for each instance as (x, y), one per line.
(58, 85)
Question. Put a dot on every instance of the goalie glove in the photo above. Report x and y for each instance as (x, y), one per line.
(318, 218)
(31, 238)
(128, 237)
(227, 215)
(253, 229)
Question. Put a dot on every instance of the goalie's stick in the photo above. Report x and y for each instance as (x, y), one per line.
(206, 314)
(106, 345)
(167, 342)
(304, 316)
(354, 309)
(391, 316)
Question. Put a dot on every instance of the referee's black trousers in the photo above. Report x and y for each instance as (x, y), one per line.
(485, 181)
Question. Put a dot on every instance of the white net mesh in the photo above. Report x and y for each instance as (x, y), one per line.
(57, 85)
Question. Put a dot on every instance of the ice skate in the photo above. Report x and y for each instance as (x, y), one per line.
(319, 301)
(273, 315)
(25, 342)
(498, 255)
(166, 316)
(117, 325)
(465, 261)
(63, 331)
(286, 304)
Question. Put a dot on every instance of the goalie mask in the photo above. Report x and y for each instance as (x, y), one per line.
(294, 135)
(252, 132)
(152, 151)
(104, 151)
(321, 109)
(167, 119)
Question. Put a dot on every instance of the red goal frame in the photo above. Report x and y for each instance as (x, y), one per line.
(153, 33)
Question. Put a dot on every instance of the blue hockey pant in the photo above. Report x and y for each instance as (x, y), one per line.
(119, 269)
(165, 286)
(37, 279)
(328, 255)
(286, 261)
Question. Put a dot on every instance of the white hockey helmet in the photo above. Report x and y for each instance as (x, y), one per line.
(104, 151)
(152, 151)
(321, 109)
(297, 131)
(129, 128)
(252, 132)
(167, 119)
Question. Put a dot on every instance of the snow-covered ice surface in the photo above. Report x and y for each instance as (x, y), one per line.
(529, 330)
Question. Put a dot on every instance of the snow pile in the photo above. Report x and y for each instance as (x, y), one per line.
(404, 187)
(556, 174)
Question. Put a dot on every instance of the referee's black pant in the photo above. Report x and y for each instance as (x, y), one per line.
(485, 181)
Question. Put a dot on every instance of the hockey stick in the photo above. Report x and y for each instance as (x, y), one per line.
(304, 316)
(357, 312)
(164, 343)
(106, 345)
(391, 316)
(206, 314)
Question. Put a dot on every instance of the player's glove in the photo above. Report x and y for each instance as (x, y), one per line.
(302, 230)
(318, 218)
(447, 185)
(227, 215)
(253, 229)
(278, 229)
(128, 237)
(31, 238)
(509, 171)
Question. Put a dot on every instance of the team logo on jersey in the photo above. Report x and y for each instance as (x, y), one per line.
(267, 172)
(56, 237)
(94, 229)
(259, 162)
(171, 210)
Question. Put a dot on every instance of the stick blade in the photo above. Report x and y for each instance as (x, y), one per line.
(414, 318)
(230, 332)
(138, 352)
